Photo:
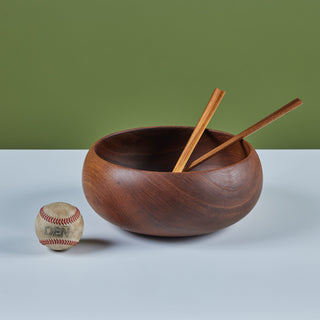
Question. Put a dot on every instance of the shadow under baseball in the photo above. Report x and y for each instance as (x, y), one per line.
(91, 245)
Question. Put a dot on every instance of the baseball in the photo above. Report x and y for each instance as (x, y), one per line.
(59, 225)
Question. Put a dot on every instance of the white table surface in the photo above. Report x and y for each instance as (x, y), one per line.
(267, 266)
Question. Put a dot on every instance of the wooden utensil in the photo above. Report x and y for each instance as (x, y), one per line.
(260, 124)
(198, 130)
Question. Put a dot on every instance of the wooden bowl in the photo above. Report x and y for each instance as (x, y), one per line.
(127, 180)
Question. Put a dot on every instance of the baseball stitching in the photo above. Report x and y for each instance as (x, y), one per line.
(59, 221)
(58, 241)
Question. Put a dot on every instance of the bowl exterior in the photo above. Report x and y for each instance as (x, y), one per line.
(172, 204)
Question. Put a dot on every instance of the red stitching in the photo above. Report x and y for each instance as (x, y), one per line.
(59, 241)
(63, 221)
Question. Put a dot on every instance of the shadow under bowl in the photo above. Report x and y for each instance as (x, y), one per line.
(127, 180)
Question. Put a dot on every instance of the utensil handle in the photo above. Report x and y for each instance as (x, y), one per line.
(198, 130)
(260, 124)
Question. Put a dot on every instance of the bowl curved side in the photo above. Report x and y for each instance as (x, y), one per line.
(171, 204)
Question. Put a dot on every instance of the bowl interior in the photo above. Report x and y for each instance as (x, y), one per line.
(158, 148)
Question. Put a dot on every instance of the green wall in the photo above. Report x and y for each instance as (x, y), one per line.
(74, 70)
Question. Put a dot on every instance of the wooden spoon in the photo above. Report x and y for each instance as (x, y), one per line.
(260, 124)
(198, 130)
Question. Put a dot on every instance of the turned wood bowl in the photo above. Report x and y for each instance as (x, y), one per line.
(127, 180)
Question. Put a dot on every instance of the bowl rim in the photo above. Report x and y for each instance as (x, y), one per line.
(93, 148)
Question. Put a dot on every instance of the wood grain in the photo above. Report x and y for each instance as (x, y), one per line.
(128, 180)
(198, 130)
(260, 124)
